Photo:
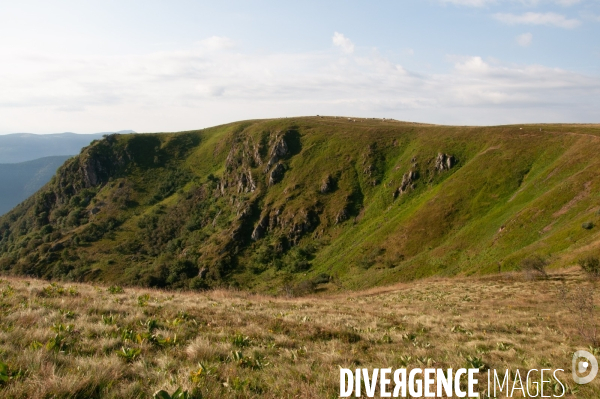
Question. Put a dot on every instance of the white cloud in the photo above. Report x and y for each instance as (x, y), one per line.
(534, 18)
(471, 65)
(217, 43)
(525, 39)
(199, 87)
(343, 42)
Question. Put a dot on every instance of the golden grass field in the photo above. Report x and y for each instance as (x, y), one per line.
(84, 341)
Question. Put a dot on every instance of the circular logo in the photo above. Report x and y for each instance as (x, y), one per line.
(584, 363)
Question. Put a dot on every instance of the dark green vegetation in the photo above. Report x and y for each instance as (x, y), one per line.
(18, 181)
(300, 204)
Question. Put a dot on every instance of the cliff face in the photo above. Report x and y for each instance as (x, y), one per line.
(309, 201)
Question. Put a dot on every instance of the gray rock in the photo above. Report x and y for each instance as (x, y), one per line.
(276, 174)
(246, 183)
(279, 150)
(260, 229)
(444, 162)
(408, 182)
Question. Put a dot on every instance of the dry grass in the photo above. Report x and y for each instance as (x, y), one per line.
(67, 342)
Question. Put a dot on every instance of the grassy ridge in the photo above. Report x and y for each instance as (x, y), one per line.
(179, 210)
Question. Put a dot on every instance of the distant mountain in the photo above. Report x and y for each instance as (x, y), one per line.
(18, 181)
(21, 147)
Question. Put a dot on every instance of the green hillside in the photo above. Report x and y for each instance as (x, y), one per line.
(310, 203)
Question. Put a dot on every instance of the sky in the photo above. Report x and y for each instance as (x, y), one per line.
(154, 66)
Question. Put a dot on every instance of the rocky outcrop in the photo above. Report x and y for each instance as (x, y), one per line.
(276, 174)
(91, 169)
(100, 162)
(408, 182)
(444, 162)
(256, 155)
(278, 151)
(244, 153)
(274, 218)
(261, 228)
(245, 182)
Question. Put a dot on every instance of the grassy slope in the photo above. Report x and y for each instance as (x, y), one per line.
(516, 190)
(69, 341)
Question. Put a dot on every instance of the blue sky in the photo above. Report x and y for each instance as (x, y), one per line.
(168, 66)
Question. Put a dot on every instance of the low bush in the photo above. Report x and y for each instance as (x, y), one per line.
(587, 225)
(591, 265)
(534, 267)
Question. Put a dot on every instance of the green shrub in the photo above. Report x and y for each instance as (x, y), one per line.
(47, 229)
(197, 283)
(587, 225)
(6, 263)
(305, 287)
(61, 269)
(129, 354)
(591, 265)
(322, 278)
(534, 266)
(178, 394)
(4, 375)
(73, 219)
(240, 341)
(115, 289)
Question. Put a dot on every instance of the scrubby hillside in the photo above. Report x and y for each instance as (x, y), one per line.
(295, 204)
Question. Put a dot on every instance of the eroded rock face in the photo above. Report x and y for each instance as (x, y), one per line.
(246, 182)
(444, 162)
(278, 152)
(274, 218)
(276, 174)
(90, 172)
(408, 182)
(261, 228)
(96, 168)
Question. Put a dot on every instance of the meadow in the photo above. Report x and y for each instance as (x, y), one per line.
(92, 341)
